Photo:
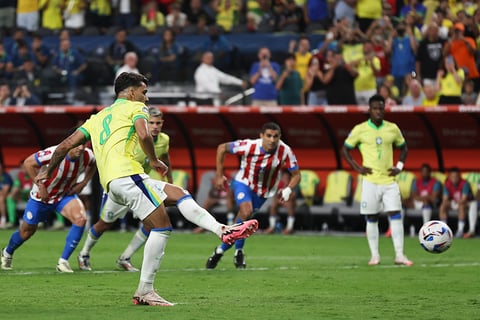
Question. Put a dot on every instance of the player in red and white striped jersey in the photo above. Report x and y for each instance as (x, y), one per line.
(55, 194)
(262, 161)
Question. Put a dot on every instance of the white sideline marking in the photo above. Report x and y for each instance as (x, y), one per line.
(347, 267)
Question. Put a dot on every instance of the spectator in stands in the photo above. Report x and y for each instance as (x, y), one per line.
(129, 64)
(289, 205)
(416, 7)
(367, 12)
(22, 96)
(429, 55)
(293, 18)
(260, 157)
(463, 50)
(339, 80)
(385, 92)
(227, 15)
(456, 196)
(194, 10)
(289, 84)
(30, 74)
(4, 59)
(22, 184)
(208, 78)
(449, 83)
(263, 76)
(380, 191)
(52, 14)
(101, 14)
(118, 48)
(415, 94)
(402, 45)
(17, 37)
(431, 95)
(426, 192)
(74, 15)
(365, 83)
(221, 48)
(41, 54)
(18, 57)
(314, 83)
(27, 15)
(377, 34)
(126, 13)
(5, 94)
(390, 83)
(170, 56)
(345, 9)
(5, 185)
(469, 96)
(7, 15)
(151, 17)
(318, 12)
(176, 19)
(69, 65)
(301, 50)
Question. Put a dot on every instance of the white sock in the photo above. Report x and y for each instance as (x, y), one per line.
(3, 220)
(290, 222)
(426, 214)
(472, 216)
(372, 236)
(90, 242)
(461, 225)
(272, 220)
(199, 216)
(137, 241)
(152, 257)
(397, 236)
(61, 260)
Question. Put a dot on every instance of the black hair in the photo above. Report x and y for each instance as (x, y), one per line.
(426, 166)
(376, 98)
(271, 126)
(129, 79)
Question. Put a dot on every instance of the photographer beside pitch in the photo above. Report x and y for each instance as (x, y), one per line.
(114, 133)
(380, 191)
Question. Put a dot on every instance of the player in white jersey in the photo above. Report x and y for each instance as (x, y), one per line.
(262, 161)
(56, 194)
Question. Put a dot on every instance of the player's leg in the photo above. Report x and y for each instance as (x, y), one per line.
(35, 212)
(290, 205)
(137, 241)
(190, 209)
(73, 209)
(462, 208)
(370, 208)
(273, 217)
(472, 218)
(145, 198)
(392, 204)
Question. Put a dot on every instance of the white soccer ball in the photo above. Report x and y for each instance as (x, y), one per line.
(435, 236)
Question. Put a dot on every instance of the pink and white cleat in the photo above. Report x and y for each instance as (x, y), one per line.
(402, 260)
(151, 299)
(240, 230)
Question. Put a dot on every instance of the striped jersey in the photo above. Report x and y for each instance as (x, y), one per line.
(64, 176)
(260, 170)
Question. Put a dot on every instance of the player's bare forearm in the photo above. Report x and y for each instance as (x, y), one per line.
(403, 152)
(222, 149)
(295, 179)
(74, 140)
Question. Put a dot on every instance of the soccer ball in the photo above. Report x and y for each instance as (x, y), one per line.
(435, 236)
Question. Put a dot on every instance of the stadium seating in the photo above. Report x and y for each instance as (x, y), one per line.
(337, 195)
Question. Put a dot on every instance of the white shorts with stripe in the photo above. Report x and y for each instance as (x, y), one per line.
(378, 198)
(139, 192)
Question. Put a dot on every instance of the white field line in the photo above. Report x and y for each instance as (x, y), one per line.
(286, 268)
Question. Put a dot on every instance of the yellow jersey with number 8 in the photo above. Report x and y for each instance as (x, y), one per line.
(113, 137)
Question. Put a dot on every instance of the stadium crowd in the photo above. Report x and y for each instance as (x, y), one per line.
(412, 52)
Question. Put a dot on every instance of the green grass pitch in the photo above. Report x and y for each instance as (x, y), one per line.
(287, 277)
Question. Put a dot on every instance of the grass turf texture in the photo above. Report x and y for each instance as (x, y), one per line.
(287, 277)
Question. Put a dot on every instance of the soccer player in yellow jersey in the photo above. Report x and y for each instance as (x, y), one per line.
(111, 212)
(114, 133)
(375, 139)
